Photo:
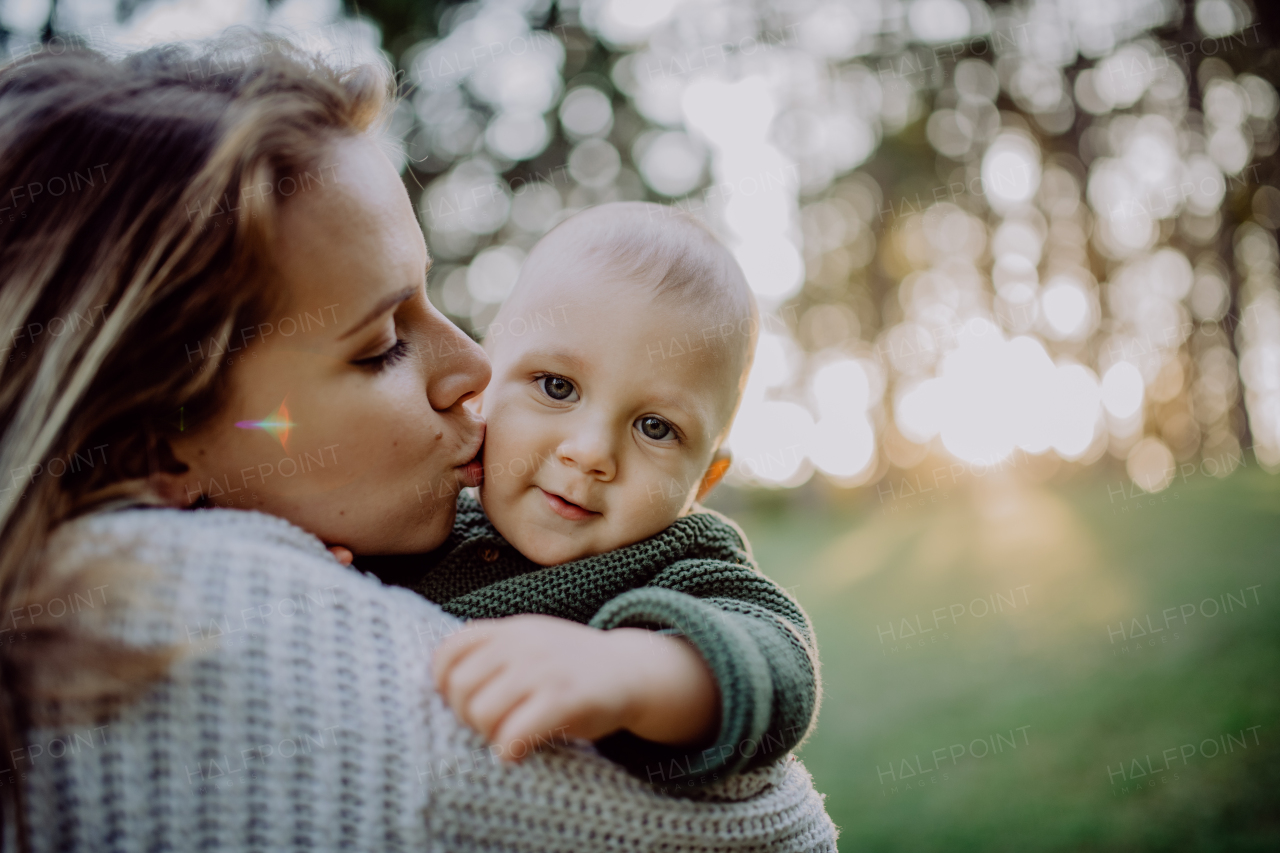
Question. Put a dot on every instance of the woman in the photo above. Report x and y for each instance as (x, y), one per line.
(216, 294)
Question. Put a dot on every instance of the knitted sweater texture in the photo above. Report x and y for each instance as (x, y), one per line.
(301, 716)
(697, 578)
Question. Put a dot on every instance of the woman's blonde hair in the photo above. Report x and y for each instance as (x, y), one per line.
(138, 208)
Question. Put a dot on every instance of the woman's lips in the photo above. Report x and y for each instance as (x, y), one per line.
(471, 472)
(564, 509)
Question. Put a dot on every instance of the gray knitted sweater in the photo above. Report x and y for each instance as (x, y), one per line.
(301, 716)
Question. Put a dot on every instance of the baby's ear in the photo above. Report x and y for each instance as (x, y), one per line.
(715, 473)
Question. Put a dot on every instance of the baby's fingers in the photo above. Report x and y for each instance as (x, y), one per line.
(453, 649)
(494, 701)
(469, 675)
(536, 723)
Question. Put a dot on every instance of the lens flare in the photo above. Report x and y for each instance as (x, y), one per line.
(278, 424)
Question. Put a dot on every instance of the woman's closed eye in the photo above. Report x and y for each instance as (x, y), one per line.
(655, 428)
(387, 357)
(557, 388)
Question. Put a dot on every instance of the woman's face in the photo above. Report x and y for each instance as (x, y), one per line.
(345, 410)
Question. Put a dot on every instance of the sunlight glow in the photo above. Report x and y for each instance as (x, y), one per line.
(1122, 389)
(1066, 309)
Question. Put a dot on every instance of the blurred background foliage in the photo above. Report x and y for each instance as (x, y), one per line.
(1023, 235)
(1021, 342)
(1034, 235)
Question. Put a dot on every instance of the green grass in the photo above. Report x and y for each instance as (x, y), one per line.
(1076, 560)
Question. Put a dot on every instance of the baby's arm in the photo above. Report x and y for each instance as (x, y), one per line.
(758, 644)
(524, 679)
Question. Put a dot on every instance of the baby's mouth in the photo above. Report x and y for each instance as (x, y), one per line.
(567, 509)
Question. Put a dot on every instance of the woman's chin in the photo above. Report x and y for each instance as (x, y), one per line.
(425, 531)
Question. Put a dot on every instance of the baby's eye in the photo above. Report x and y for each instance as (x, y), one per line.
(655, 428)
(557, 388)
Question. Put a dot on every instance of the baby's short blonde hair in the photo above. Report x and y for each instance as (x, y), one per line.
(659, 245)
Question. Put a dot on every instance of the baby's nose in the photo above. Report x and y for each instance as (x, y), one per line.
(590, 452)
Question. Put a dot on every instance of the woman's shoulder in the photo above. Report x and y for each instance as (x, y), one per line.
(207, 566)
(184, 530)
(298, 685)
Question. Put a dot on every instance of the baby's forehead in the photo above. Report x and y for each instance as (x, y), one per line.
(581, 298)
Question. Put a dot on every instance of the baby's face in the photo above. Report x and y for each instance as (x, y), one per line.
(599, 429)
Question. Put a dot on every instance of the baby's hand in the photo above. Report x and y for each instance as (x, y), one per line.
(524, 677)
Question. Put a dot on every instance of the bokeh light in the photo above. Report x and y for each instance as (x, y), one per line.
(974, 230)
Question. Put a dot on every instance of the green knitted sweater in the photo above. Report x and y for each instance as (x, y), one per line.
(696, 579)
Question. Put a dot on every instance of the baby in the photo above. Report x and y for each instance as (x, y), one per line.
(618, 363)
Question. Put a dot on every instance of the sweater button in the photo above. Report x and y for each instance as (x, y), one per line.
(489, 554)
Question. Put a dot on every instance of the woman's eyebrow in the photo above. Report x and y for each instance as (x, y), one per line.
(378, 310)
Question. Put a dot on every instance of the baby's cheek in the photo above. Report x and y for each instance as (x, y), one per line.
(506, 492)
(506, 462)
(500, 501)
(513, 444)
(649, 509)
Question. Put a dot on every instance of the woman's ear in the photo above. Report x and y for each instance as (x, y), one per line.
(173, 489)
(170, 477)
(715, 473)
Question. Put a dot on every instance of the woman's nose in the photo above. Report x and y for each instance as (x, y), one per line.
(457, 369)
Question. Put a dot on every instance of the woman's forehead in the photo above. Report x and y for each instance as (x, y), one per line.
(354, 240)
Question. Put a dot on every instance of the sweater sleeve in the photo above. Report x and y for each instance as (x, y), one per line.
(759, 646)
(301, 715)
